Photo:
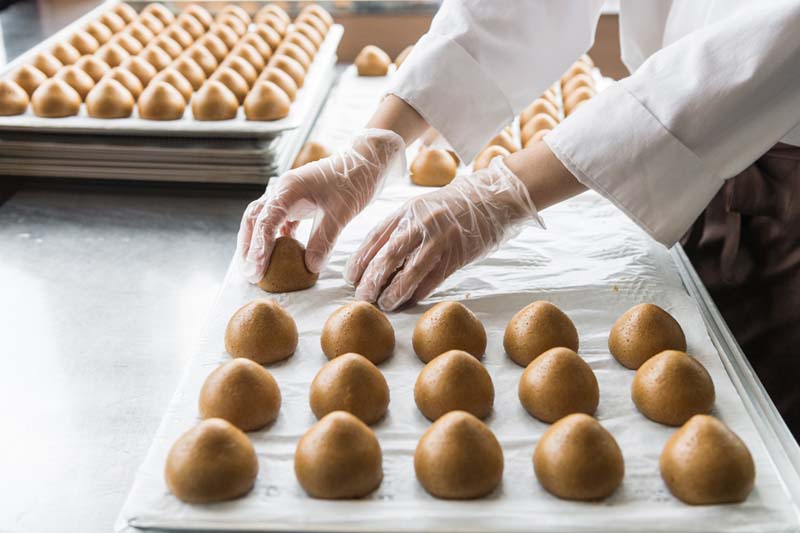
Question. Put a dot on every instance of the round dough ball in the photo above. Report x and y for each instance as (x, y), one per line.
(127, 41)
(310, 152)
(191, 71)
(281, 79)
(705, 463)
(581, 80)
(300, 40)
(77, 79)
(242, 392)
(13, 98)
(537, 122)
(358, 327)
(540, 105)
(211, 462)
(233, 81)
(372, 61)
(266, 101)
(671, 387)
(99, 31)
(109, 99)
(169, 45)
(314, 22)
(233, 22)
(151, 22)
(350, 383)
(84, 42)
(179, 35)
(643, 331)
(214, 101)
(161, 101)
(29, 78)
(236, 11)
(558, 383)
(458, 458)
(215, 45)
(578, 459)
(156, 57)
(401, 57)
(274, 9)
(112, 21)
(177, 80)
(339, 458)
(296, 53)
(140, 32)
(55, 98)
(94, 67)
(536, 328)
(505, 140)
(190, 24)
(433, 167)
(203, 58)
(199, 13)
(227, 35)
(261, 330)
(125, 12)
(159, 11)
(272, 37)
(319, 12)
(485, 157)
(454, 381)
(127, 79)
(289, 66)
(66, 53)
(579, 67)
(578, 97)
(140, 68)
(312, 34)
(245, 69)
(448, 326)
(286, 271)
(47, 63)
(259, 44)
(112, 54)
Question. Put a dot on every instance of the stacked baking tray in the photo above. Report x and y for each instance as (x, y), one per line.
(185, 150)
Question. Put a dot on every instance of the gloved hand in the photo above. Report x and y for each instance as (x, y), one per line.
(409, 254)
(333, 190)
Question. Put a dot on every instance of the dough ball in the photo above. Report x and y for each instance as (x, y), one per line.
(125, 12)
(571, 85)
(643, 331)
(536, 328)
(454, 381)
(313, 35)
(211, 462)
(214, 101)
(177, 80)
(485, 157)
(66, 53)
(705, 463)
(77, 79)
(112, 54)
(578, 459)
(310, 152)
(537, 122)
(233, 22)
(350, 383)
(236, 11)
(314, 22)
(286, 271)
(129, 42)
(505, 140)
(109, 99)
(372, 61)
(215, 45)
(140, 32)
(579, 67)
(671, 387)
(99, 31)
(233, 81)
(270, 36)
(151, 22)
(339, 458)
(156, 57)
(203, 58)
(179, 35)
(199, 13)
(448, 326)
(558, 383)
(578, 97)
(190, 24)
(112, 21)
(13, 98)
(140, 68)
(55, 98)
(319, 12)
(160, 12)
(94, 67)
(296, 53)
(401, 57)
(251, 56)
(29, 78)
(169, 45)
(300, 40)
(84, 42)
(266, 101)
(458, 458)
(272, 9)
(245, 69)
(161, 101)
(259, 44)
(242, 392)
(358, 327)
(289, 66)
(47, 63)
(263, 331)
(127, 79)
(190, 70)
(536, 137)
(433, 167)
(538, 106)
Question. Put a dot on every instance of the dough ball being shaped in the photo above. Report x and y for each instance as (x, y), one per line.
(372, 61)
(281, 79)
(29, 78)
(177, 80)
(191, 71)
(113, 54)
(671, 387)
(643, 331)
(286, 271)
(94, 67)
(233, 81)
(401, 57)
(350, 383)
(358, 327)
(47, 63)
(84, 42)
(261, 330)
(141, 69)
(109, 99)
(338, 458)
(536, 328)
(454, 381)
(266, 101)
(448, 326)
(242, 392)
(433, 167)
(77, 79)
(485, 157)
(310, 152)
(705, 463)
(578, 459)
(576, 98)
(127, 79)
(55, 98)
(558, 383)
(458, 458)
(13, 98)
(161, 101)
(214, 101)
(212, 462)
(289, 66)
(66, 53)
(540, 105)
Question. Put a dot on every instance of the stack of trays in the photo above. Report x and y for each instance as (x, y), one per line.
(168, 91)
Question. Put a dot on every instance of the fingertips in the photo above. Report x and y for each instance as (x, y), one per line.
(401, 289)
(320, 243)
(377, 238)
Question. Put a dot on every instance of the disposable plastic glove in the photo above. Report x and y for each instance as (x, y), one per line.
(333, 190)
(409, 254)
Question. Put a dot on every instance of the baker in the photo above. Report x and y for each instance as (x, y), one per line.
(701, 143)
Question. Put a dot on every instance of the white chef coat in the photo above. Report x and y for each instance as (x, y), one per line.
(715, 84)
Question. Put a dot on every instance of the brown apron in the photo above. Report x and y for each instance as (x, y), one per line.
(746, 248)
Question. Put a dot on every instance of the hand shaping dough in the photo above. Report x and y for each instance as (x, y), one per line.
(211, 462)
(358, 327)
(448, 326)
(214, 101)
(350, 383)
(311, 151)
(643, 331)
(339, 458)
(242, 392)
(372, 61)
(161, 101)
(578, 459)
(487, 154)
(266, 101)
(286, 271)
(433, 167)
(454, 381)
(262, 331)
(537, 328)
(558, 383)
(55, 98)
(705, 463)
(458, 458)
(109, 99)
(13, 98)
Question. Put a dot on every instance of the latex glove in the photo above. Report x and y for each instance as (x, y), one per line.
(333, 190)
(409, 254)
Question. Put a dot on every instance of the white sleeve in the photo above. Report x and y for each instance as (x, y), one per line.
(481, 62)
(660, 143)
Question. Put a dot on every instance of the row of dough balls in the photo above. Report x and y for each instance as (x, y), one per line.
(372, 61)
(161, 62)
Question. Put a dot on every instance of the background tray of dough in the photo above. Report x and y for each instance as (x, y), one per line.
(594, 263)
